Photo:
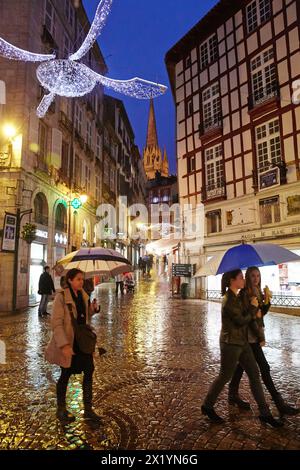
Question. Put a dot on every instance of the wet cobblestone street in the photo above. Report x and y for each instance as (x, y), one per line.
(162, 354)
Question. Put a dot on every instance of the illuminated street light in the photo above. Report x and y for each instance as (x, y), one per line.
(9, 131)
(83, 198)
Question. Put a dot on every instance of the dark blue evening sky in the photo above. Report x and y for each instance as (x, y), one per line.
(137, 35)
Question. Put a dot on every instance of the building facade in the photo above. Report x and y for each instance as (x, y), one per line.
(48, 163)
(233, 78)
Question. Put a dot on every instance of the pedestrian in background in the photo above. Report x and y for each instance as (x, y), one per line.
(119, 284)
(46, 289)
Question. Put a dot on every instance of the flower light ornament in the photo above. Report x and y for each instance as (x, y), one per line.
(69, 78)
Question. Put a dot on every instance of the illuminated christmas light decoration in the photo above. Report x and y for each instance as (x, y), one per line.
(66, 77)
(14, 53)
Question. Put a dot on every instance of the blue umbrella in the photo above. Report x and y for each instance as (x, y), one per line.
(243, 256)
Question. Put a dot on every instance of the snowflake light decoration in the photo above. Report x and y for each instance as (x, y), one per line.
(69, 78)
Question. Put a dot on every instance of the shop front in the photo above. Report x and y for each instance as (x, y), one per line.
(38, 260)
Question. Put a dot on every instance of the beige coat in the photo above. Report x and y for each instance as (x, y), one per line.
(62, 328)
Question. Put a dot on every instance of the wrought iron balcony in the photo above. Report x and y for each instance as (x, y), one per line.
(211, 124)
(41, 219)
(263, 95)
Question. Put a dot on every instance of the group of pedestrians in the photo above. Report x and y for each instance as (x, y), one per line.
(241, 344)
(241, 340)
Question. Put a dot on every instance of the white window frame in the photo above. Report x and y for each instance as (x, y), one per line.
(268, 144)
(209, 51)
(257, 13)
(218, 221)
(214, 171)
(211, 105)
(263, 76)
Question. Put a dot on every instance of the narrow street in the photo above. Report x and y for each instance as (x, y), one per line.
(162, 354)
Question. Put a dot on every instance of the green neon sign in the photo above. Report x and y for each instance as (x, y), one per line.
(76, 203)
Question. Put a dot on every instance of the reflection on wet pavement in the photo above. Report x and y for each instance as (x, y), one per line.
(162, 354)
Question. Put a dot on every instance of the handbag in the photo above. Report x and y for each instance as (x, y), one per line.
(85, 336)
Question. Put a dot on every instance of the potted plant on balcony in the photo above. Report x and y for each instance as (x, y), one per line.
(29, 233)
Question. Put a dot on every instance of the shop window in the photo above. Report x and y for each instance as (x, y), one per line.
(214, 223)
(269, 210)
(61, 218)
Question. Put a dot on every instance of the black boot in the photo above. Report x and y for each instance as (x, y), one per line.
(236, 400)
(64, 416)
(62, 413)
(269, 419)
(283, 407)
(212, 415)
(89, 413)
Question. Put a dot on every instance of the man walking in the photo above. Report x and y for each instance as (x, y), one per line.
(46, 287)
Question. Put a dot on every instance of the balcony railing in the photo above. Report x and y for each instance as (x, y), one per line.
(61, 226)
(263, 95)
(215, 122)
(65, 121)
(214, 191)
(279, 299)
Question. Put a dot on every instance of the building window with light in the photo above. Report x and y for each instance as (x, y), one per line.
(209, 51)
(214, 172)
(257, 12)
(50, 18)
(269, 210)
(268, 145)
(214, 222)
(211, 101)
(263, 76)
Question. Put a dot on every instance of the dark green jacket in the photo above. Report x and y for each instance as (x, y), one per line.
(257, 327)
(236, 319)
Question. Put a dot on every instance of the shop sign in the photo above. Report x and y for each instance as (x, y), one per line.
(269, 178)
(183, 270)
(9, 232)
(41, 233)
(293, 203)
(60, 238)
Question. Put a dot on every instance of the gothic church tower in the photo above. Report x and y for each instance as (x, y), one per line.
(153, 159)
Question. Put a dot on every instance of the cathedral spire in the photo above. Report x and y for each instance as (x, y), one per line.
(152, 140)
(165, 164)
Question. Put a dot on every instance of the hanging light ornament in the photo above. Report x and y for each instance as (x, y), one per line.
(66, 77)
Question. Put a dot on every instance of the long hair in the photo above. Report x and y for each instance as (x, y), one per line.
(226, 278)
(248, 284)
(71, 274)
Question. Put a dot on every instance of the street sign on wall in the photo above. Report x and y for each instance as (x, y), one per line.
(9, 232)
(183, 270)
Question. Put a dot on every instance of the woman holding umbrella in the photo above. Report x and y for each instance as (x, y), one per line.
(235, 349)
(257, 340)
(71, 305)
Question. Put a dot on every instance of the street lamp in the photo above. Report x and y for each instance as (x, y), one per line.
(9, 131)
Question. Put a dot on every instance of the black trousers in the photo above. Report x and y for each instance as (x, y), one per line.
(264, 368)
(79, 364)
(121, 285)
(231, 355)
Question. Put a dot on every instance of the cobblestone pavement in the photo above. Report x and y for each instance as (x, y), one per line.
(162, 356)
